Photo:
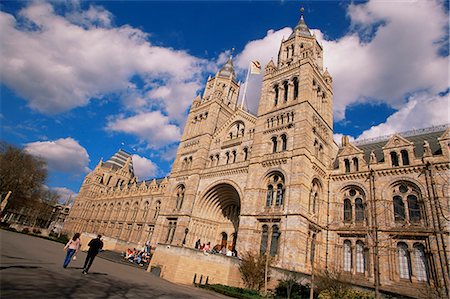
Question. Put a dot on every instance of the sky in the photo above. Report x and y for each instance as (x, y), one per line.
(81, 79)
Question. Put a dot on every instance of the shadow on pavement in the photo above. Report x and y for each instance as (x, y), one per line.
(19, 266)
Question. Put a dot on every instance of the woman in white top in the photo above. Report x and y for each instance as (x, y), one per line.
(72, 248)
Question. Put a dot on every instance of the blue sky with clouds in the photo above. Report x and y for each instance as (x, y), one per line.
(79, 80)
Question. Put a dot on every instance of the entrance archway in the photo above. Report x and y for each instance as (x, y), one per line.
(216, 216)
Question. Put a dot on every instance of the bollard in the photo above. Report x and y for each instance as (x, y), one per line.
(195, 278)
(206, 282)
(201, 278)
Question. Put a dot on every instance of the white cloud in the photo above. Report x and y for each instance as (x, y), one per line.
(64, 155)
(144, 168)
(60, 62)
(421, 111)
(151, 127)
(66, 195)
(388, 62)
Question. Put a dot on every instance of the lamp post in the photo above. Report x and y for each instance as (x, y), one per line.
(186, 231)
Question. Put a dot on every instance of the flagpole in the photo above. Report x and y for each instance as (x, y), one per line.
(245, 88)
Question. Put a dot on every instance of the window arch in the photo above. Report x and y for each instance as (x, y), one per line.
(180, 197)
(286, 88)
(234, 156)
(404, 261)
(245, 153)
(359, 210)
(360, 257)
(135, 211)
(347, 165)
(406, 198)
(399, 209)
(264, 239)
(276, 91)
(405, 157)
(157, 209)
(145, 210)
(394, 159)
(295, 81)
(347, 256)
(227, 154)
(420, 262)
(314, 196)
(413, 208)
(274, 144)
(355, 164)
(275, 190)
(274, 241)
(347, 210)
(283, 142)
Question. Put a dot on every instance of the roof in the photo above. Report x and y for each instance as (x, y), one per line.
(301, 29)
(417, 137)
(227, 70)
(119, 159)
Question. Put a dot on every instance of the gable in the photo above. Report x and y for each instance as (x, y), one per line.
(397, 141)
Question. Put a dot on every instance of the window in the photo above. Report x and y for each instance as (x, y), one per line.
(234, 156)
(280, 195)
(347, 256)
(399, 209)
(295, 81)
(359, 210)
(413, 208)
(144, 215)
(274, 144)
(394, 159)
(313, 248)
(276, 91)
(404, 261)
(347, 165)
(274, 241)
(245, 154)
(157, 208)
(264, 239)
(135, 211)
(420, 262)
(405, 157)
(286, 87)
(355, 164)
(227, 154)
(314, 196)
(180, 197)
(171, 231)
(283, 142)
(269, 197)
(360, 261)
(347, 210)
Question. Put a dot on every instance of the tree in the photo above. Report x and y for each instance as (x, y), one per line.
(22, 174)
(252, 269)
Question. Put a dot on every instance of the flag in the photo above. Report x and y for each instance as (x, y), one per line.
(255, 67)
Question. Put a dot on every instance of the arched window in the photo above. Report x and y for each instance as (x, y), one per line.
(269, 197)
(405, 157)
(360, 260)
(245, 154)
(157, 208)
(404, 261)
(295, 81)
(264, 239)
(347, 256)
(394, 159)
(234, 156)
(125, 211)
(283, 142)
(359, 210)
(276, 91)
(274, 241)
(286, 87)
(347, 165)
(227, 154)
(135, 211)
(355, 164)
(399, 209)
(180, 197)
(274, 144)
(314, 197)
(280, 195)
(347, 210)
(420, 263)
(145, 213)
(413, 208)
(217, 159)
(171, 231)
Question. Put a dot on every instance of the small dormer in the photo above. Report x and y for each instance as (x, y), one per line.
(398, 151)
(444, 142)
(351, 158)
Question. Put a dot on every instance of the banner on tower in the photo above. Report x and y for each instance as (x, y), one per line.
(255, 67)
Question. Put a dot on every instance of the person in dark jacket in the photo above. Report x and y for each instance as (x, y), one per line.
(94, 247)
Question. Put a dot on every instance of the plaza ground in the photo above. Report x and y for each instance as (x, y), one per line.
(31, 267)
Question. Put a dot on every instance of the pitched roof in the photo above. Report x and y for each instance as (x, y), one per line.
(119, 159)
(227, 70)
(301, 29)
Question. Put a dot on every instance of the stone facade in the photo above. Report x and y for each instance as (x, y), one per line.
(277, 181)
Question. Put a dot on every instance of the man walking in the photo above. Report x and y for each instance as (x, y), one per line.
(94, 247)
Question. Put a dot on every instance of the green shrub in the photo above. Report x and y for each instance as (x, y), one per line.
(346, 294)
(26, 230)
(62, 239)
(297, 291)
(232, 291)
(36, 231)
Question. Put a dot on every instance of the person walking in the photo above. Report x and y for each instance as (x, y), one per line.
(72, 248)
(94, 247)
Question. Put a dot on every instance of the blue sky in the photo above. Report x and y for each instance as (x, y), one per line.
(79, 80)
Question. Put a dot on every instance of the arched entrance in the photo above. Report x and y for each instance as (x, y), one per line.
(216, 216)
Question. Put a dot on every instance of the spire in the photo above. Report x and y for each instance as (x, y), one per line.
(119, 160)
(301, 28)
(227, 71)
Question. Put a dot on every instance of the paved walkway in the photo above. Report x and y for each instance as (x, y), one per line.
(31, 267)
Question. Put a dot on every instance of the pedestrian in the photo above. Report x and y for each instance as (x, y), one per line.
(72, 248)
(198, 244)
(94, 247)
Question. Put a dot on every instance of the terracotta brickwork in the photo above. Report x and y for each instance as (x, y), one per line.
(278, 182)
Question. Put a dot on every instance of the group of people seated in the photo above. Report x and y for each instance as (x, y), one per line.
(139, 257)
(217, 249)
